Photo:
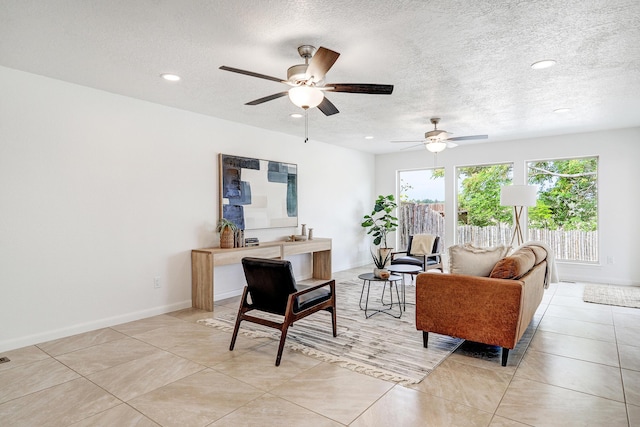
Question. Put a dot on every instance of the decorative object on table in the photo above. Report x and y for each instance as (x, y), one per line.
(311, 234)
(257, 193)
(251, 241)
(518, 196)
(227, 231)
(380, 260)
(381, 222)
(304, 230)
(381, 347)
(239, 238)
(300, 237)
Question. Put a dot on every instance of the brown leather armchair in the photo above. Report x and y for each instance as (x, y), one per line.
(272, 288)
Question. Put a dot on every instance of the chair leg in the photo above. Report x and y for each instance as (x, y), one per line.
(238, 320)
(425, 339)
(235, 332)
(283, 337)
(333, 321)
(505, 356)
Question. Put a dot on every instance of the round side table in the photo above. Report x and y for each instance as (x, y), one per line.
(367, 278)
(403, 269)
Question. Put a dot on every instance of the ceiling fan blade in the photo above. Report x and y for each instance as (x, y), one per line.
(327, 107)
(451, 144)
(252, 74)
(371, 88)
(267, 98)
(413, 146)
(468, 138)
(321, 62)
(422, 141)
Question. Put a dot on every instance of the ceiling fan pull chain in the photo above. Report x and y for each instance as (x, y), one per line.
(306, 125)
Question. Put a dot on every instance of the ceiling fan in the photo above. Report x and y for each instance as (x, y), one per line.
(307, 81)
(437, 140)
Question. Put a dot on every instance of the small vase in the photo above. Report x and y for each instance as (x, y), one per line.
(227, 238)
(311, 234)
(304, 230)
(381, 273)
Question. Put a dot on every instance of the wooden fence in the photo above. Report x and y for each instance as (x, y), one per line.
(420, 218)
(417, 218)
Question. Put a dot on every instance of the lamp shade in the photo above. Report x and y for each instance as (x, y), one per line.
(306, 96)
(518, 195)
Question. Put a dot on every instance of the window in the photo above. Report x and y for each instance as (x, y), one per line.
(421, 207)
(482, 221)
(566, 213)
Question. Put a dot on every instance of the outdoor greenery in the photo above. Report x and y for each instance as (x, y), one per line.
(567, 196)
(479, 194)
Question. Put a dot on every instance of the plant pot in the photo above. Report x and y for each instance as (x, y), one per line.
(227, 238)
(381, 273)
(384, 251)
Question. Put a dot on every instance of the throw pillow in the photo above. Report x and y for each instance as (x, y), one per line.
(473, 261)
(515, 265)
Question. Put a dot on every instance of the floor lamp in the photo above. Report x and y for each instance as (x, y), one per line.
(518, 196)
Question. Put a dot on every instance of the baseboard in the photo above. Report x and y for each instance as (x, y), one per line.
(55, 334)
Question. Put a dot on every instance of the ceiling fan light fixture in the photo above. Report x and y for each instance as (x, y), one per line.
(170, 77)
(306, 96)
(545, 63)
(435, 146)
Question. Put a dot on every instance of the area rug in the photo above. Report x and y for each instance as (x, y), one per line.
(380, 346)
(625, 296)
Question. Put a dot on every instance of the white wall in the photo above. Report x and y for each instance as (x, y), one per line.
(100, 193)
(619, 204)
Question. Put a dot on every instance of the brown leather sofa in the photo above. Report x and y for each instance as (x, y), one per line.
(493, 310)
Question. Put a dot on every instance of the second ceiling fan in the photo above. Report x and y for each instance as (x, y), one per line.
(307, 81)
(437, 140)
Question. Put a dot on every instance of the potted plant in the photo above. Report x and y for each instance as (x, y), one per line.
(380, 222)
(380, 259)
(227, 230)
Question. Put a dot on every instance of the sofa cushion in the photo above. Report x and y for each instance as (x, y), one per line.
(474, 261)
(515, 265)
(539, 252)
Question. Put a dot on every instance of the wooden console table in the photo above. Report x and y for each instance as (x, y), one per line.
(203, 262)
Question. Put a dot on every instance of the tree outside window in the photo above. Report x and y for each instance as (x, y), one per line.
(482, 221)
(566, 213)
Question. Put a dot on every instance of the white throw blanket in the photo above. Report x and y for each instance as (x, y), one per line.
(422, 244)
(552, 271)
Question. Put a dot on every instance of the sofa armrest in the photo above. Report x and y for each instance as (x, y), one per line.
(480, 309)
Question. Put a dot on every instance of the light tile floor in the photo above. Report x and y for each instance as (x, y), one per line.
(579, 365)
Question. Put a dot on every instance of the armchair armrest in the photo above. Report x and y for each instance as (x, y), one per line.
(393, 254)
(331, 283)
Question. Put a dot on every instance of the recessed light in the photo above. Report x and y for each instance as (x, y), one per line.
(296, 115)
(562, 110)
(170, 77)
(545, 63)
(368, 137)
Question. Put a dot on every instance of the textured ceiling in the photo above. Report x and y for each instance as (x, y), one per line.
(467, 62)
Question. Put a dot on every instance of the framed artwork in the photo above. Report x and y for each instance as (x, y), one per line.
(256, 193)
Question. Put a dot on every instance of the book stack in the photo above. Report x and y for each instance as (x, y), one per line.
(251, 241)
